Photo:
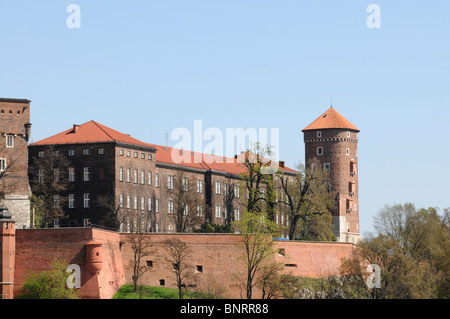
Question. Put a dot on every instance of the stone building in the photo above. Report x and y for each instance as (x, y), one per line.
(333, 140)
(15, 130)
(111, 177)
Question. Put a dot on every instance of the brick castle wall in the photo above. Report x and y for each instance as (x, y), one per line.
(215, 261)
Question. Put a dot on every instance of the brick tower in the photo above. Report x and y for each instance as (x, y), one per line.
(7, 253)
(333, 140)
(15, 131)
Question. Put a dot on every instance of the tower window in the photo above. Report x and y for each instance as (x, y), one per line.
(348, 134)
(319, 134)
(320, 151)
(326, 167)
(348, 151)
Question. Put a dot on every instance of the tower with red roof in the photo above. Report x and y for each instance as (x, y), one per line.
(333, 140)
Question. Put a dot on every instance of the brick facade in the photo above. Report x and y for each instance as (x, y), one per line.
(15, 130)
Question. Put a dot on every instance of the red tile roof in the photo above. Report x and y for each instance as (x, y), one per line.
(331, 119)
(89, 132)
(93, 132)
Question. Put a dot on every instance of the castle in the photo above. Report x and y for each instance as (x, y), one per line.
(137, 177)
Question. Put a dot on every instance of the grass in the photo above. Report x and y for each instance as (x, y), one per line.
(150, 292)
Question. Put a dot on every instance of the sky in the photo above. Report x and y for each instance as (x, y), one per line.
(148, 68)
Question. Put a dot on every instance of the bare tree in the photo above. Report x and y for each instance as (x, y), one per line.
(49, 181)
(185, 202)
(307, 200)
(141, 247)
(177, 254)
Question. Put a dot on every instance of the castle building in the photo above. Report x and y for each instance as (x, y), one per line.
(15, 130)
(7, 253)
(333, 140)
(111, 177)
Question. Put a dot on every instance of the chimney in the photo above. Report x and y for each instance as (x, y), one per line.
(76, 127)
(282, 164)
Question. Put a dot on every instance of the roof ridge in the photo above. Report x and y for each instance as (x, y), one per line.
(100, 127)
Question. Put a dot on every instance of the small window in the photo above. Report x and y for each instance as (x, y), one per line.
(86, 200)
(326, 167)
(150, 157)
(290, 265)
(199, 186)
(348, 134)
(121, 152)
(218, 184)
(348, 151)
(101, 151)
(2, 164)
(199, 268)
(319, 134)
(135, 154)
(149, 263)
(86, 176)
(9, 140)
(86, 151)
(71, 153)
(142, 155)
(41, 154)
(320, 151)
(282, 252)
(128, 153)
(162, 282)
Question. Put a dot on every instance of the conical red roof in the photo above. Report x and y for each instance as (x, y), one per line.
(330, 119)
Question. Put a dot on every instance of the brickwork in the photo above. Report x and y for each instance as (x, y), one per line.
(7, 256)
(15, 130)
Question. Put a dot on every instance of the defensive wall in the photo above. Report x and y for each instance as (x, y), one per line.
(215, 263)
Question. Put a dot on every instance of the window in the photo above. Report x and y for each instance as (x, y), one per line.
(56, 175)
(120, 174)
(86, 200)
(351, 188)
(218, 212)
(149, 263)
(156, 205)
(349, 205)
(86, 151)
(142, 155)
(9, 140)
(199, 186)
(135, 206)
(121, 200)
(149, 204)
(55, 153)
(86, 223)
(156, 180)
(162, 282)
(150, 156)
(319, 134)
(185, 184)
(143, 203)
(218, 184)
(71, 153)
(237, 214)
(56, 201)
(128, 174)
(128, 153)
(71, 174)
(348, 152)
(282, 252)
(348, 134)
(71, 200)
(352, 168)
(101, 151)
(186, 210)
(142, 177)
(136, 176)
(40, 174)
(320, 151)
(135, 154)
(86, 177)
(199, 268)
(3, 165)
(200, 210)
(41, 154)
(236, 191)
(128, 201)
(149, 177)
(326, 167)
(170, 182)
(121, 152)
(170, 207)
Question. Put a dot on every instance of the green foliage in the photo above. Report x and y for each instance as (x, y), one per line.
(48, 284)
(214, 228)
(149, 292)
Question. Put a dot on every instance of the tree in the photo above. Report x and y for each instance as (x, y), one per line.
(185, 202)
(141, 248)
(257, 231)
(9, 162)
(177, 254)
(48, 284)
(307, 201)
(49, 182)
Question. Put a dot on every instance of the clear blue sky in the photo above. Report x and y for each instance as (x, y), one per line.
(148, 67)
